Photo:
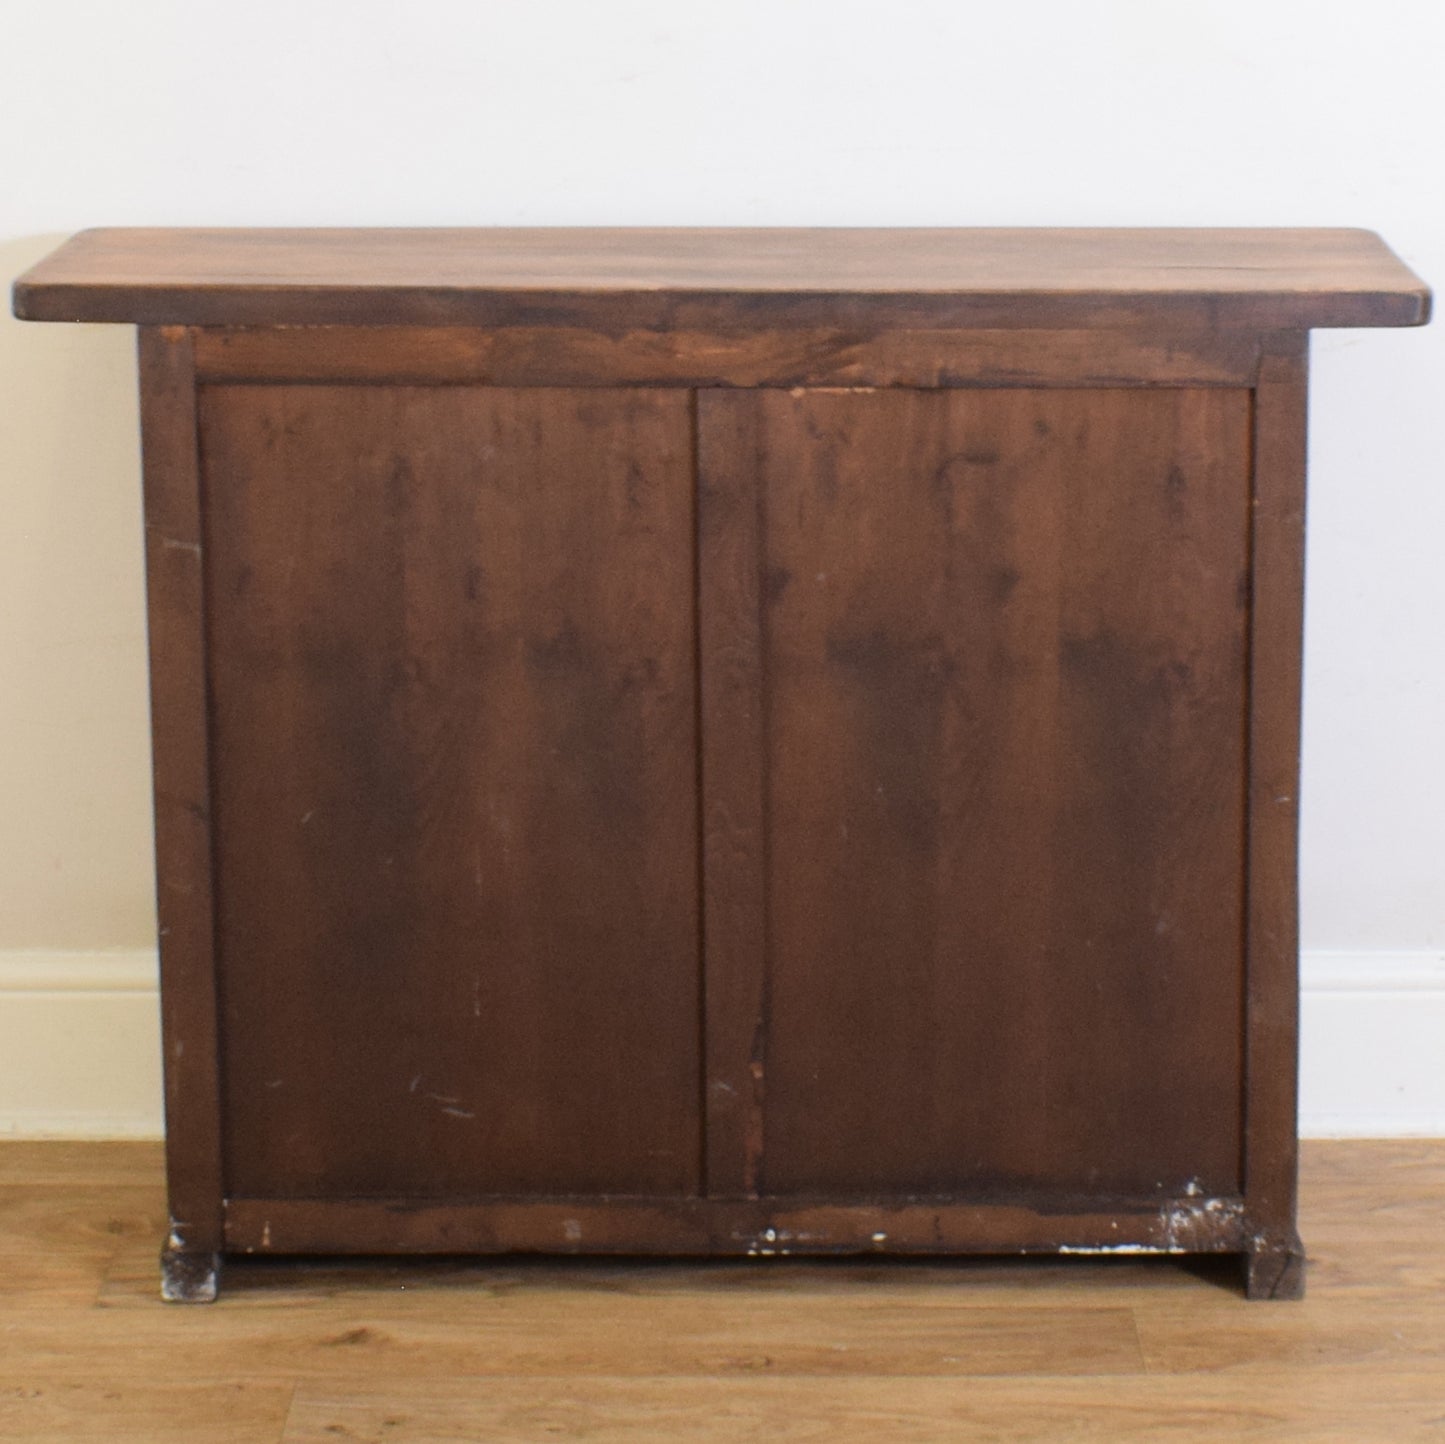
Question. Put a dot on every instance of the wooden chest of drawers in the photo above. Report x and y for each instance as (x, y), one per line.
(727, 742)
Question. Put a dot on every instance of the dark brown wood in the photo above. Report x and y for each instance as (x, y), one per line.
(764, 1227)
(453, 709)
(175, 585)
(1003, 663)
(1276, 631)
(569, 356)
(733, 280)
(734, 781)
(1274, 1266)
(189, 1277)
(727, 742)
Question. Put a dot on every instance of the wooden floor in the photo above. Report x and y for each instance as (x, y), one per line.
(774, 1350)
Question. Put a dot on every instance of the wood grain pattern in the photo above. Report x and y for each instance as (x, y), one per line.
(765, 1227)
(865, 1410)
(454, 718)
(668, 739)
(733, 279)
(875, 1350)
(1275, 1267)
(571, 356)
(155, 1411)
(176, 615)
(1004, 662)
(636, 1333)
(733, 785)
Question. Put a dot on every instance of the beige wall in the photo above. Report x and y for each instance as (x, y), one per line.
(1127, 112)
(75, 870)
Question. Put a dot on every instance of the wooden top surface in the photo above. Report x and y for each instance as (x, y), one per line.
(1266, 279)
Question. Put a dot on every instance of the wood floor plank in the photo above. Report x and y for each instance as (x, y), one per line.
(58, 1242)
(67, 1161)
(1390, 1181)
(1394, 1263)
(589, 1335)
(417, 1350)
(44, 1281)
(121, 1410)
(1364, 1335)
(55, 1218)
(920, 1411)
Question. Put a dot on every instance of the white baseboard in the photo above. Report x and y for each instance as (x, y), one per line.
(80, 1045)
(1372, 1045)
(80, 1053)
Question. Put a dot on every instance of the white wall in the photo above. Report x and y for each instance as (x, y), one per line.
(1195, 112)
